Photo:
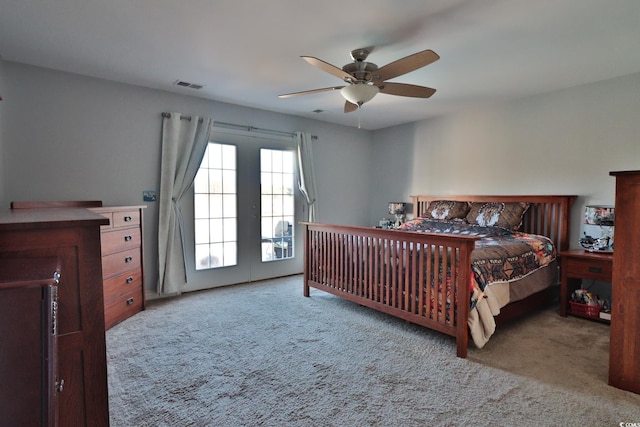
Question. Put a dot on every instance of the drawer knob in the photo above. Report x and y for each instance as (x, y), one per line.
(129, 279)
(130, 301)
(127, 238)
(595, 269)
(128, 259)
(127, 218)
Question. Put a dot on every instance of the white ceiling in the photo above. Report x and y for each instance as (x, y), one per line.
(247, 52)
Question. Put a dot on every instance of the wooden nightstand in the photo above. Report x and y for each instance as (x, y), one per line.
(577, 264)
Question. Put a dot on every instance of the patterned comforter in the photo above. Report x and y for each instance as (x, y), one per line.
(499, 256)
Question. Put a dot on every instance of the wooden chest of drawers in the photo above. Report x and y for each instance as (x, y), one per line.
(122, 262)
(624, 345)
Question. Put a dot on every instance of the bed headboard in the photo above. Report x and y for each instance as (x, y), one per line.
(547, 215)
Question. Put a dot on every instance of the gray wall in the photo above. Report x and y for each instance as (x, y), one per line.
(70, 137)
(65, 136)
(565, 142)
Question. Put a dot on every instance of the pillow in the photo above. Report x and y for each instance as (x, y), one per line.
(499, 214)
(446, 210)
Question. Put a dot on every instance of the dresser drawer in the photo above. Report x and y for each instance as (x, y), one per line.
(120, 240)
(589, 269)
(126, 218)
(123, 297)
(120, 262)
(121, 308)
(118, 286)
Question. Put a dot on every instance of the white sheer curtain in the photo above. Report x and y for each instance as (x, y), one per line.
(184, 141)
(306, 175)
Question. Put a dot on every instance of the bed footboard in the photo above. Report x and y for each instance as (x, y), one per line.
(419, 277)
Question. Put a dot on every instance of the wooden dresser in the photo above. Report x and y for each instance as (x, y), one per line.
(122, 262)
(34, 243)
(624, 347)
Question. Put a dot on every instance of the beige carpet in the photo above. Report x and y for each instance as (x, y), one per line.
(263, 355)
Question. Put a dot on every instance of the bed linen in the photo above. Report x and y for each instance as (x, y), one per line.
(501, 263)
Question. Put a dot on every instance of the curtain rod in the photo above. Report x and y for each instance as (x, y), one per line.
(248, 128)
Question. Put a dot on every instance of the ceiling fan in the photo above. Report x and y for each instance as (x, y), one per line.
(365, 79)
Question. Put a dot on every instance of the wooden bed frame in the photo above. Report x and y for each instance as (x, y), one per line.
(364, 265)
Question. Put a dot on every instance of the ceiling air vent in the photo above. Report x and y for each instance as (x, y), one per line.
(187, 84)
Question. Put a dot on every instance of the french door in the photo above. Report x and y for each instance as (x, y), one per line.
(245, 209)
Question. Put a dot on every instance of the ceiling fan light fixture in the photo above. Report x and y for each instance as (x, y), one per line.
(365, 79)
(359, 93)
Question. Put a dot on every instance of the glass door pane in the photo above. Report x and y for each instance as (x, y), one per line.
(215, 201)
(277, 204)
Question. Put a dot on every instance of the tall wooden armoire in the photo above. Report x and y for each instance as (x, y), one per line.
(72, 391)
(624, 350)
(27, 353)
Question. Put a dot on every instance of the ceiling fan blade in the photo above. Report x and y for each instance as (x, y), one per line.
(331, 69)
(403, 66)
(307, 92)
(403, 89)
(350, 107)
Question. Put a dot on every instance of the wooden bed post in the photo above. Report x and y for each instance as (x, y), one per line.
(564, 227)
(464, 294)
(305, 279)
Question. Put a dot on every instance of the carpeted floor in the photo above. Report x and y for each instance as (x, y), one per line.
(263, 355)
